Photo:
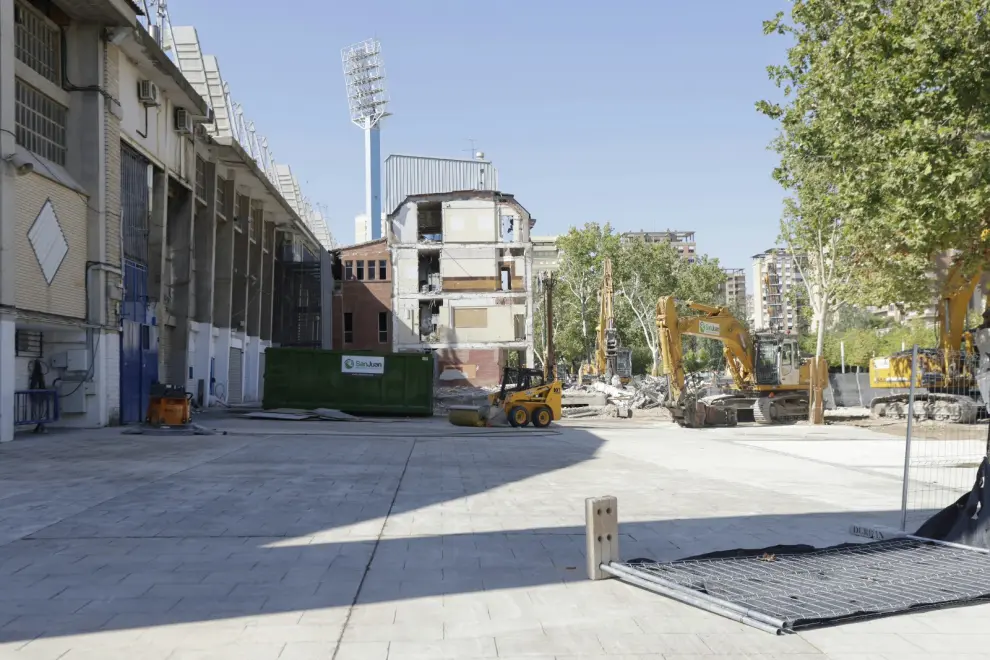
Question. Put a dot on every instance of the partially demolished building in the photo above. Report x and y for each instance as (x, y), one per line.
(462, 282)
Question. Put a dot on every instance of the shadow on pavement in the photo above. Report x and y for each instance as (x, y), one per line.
(120, 532)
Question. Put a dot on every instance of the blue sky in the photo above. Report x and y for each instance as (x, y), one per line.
(632, 112)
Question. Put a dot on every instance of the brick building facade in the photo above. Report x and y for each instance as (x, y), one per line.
(362, 306)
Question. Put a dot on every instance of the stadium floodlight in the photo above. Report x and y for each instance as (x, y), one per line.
(367, 99)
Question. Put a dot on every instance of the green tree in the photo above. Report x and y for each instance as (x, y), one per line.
(583, 253)
(883, 131)
(647, 271)
(641, 273)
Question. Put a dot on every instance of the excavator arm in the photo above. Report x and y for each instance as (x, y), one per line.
(712, 322)
(603, 362)
(954, 306)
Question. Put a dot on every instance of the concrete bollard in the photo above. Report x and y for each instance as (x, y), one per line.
(601, 519)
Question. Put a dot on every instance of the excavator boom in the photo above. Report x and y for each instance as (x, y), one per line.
(711, 322)
(605, 362)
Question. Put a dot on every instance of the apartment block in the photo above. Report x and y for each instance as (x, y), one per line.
(683, 241)
(733, 289)
(147, 230)
(776, 284)
(462, 265)
(929, 315)
(362, 308)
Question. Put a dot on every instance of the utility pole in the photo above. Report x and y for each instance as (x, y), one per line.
(550, 362)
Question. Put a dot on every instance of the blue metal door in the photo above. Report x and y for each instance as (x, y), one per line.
(131, 405)
(138, 346)
(138, 336)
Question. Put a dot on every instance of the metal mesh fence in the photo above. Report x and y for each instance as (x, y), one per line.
(946, 432)
(796, 589)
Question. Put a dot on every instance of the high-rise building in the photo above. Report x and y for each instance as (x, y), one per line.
(777, 282)
(733, 290)
(683, 241)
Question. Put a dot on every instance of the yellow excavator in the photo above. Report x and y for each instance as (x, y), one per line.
(609, 359)
(771, 381)
(946, 373)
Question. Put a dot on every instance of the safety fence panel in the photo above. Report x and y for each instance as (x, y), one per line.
(946, 432)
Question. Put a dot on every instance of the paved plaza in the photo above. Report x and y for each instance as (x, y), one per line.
(417, 540)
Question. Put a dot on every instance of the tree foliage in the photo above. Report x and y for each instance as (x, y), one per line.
(883, 129)
(864, 343)
(866, 335)
(641, 273)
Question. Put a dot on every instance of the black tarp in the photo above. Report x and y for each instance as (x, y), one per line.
(967, 521)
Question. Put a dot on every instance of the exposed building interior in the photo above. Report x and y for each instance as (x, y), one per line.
(462, 261)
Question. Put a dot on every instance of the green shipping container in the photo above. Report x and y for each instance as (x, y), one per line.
(354, 382)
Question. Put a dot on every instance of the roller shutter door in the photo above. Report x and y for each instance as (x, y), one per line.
(235, 381)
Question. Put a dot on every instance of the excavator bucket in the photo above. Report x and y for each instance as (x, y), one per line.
(477, 416)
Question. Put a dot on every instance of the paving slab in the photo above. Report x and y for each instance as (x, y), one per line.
(411, 539)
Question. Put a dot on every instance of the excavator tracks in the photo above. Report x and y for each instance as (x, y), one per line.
(723, 410)
(952, 408)
(779, 410)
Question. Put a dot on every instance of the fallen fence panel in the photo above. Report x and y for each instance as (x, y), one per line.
(801, 587)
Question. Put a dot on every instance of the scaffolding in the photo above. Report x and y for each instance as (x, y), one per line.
(298, 304)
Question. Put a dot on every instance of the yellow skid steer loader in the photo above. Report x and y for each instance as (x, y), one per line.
(525, 397)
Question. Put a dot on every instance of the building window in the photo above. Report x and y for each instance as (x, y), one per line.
(360, 269)
(348, 327)
(382, 327)
(382, 274)
(221, 197)
(470, 317)
(371, 270)
(37, 42)
(348, 270)
(28, 343)
(200, 178)
(40, 123)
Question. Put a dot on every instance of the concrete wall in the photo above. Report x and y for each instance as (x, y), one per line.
(66, 295)
(158, 139)
(461, 262)
(405, 265)
(500, 322)
(404, 226)
(405, 323)
(479, 367)
(470, 221)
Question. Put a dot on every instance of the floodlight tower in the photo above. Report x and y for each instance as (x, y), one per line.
(364, 75)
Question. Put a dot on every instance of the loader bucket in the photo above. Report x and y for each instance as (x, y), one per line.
(479, 416)
(468, 415)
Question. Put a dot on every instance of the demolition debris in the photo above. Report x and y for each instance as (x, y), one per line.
(602, 401)
(598, 400)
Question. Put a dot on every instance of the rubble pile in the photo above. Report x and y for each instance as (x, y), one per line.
(597, 401)
(642, 393)
(445, 396)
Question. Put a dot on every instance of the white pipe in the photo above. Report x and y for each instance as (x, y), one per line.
(669, 584)
(907, 442)
(948, 544)
(695, 599)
